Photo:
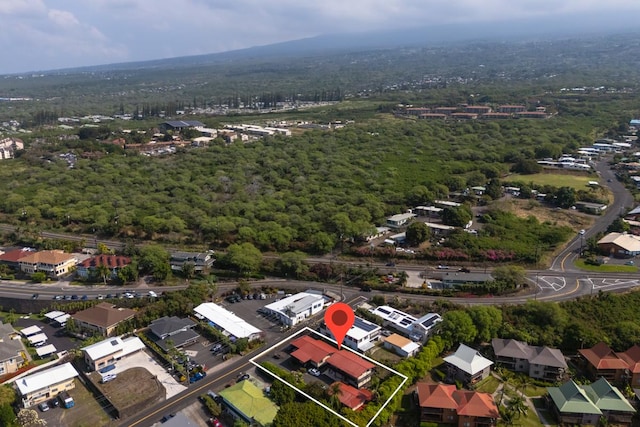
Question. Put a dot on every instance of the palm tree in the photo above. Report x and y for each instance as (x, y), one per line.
(334, 395)
(517, 407)
(103, 271)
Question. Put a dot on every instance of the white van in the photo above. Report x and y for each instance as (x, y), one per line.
(108, 377)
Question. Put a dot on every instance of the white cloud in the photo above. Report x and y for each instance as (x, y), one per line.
(100, 31)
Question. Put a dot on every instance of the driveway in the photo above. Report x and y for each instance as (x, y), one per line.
(144, 360)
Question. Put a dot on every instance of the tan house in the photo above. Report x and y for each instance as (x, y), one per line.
(45, 384)
(102, 318)
(11, 350)
(109, 351)
(53, 263)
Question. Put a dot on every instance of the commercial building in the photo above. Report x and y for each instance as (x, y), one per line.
(361, 337)
(102, 318)
(225, 321)
(53, 263)
(89, 267)
(109, 351)
(45, 384)
(296, 308)
(620, 245)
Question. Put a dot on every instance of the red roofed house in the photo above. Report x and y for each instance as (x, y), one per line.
(12, 258)
(351, 397)
(350, 368)
(311, 351)
(632, 358)
(442, 403)
(89, 266)
(601, 361)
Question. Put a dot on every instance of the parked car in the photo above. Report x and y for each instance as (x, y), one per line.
(443, 267)
(43, 406)
(216, 348)
(53, 403)
(629, 263)
(152, 294)
(35, 296)
(277, 356)
(167, 417)
(243, 377)
(582, 232)
(84, 297)
(74, 297)
(464, 270)
(391, 264)
(100, 296)
(315, 372)
(213, 422)
(366, 288)
(58, 297)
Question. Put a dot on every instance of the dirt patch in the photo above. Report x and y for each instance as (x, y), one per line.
(560, 217)
(131, 391)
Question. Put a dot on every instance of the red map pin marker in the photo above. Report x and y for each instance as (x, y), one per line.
(339, 318)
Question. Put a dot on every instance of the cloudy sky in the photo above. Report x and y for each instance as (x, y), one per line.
(49, 34)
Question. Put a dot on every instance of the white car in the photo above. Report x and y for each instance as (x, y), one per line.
(153, 294)
(128, 295)
(315, 372)
(582, 232)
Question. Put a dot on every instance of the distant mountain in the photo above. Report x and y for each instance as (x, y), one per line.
(546, 28)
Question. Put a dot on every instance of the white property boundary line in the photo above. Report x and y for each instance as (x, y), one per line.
(404, 377)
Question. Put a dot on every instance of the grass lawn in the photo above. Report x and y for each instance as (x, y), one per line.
(534, 391)
(579, 182)
(488, 385)
(607, 268)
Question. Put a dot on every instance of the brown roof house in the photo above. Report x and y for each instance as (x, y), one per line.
(444, 404)
(538, 362)
(102, 318)
(632, 358)
(601, 361)
(53, 263)
(349, 368)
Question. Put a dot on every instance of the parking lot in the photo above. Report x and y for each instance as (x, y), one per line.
(86, 412)
(248, 310)
(61, 342)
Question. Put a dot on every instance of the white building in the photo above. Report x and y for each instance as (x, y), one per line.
(109, 351)
(45, 384)
(361, 337)
(406, 324)
(296, 308)
(399, 220)
(227, 322)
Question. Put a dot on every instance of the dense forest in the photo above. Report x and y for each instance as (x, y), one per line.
(303, 192)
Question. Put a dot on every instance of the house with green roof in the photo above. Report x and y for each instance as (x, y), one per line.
(248, 402)
(585, 405)
(615, 408)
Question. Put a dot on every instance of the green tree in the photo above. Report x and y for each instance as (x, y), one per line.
(188, 270)
(244, 257)
(292, 264)
(494, 189)
(39, 277)
(625, 335)
(457, 327)
(7, 395)
(417, 232)
(487, 320)
(527, 167)
(7, 416)
(512, 275)
(457, 216)
(281, 393)
(154, 260)
(565, 197)
(103, 272)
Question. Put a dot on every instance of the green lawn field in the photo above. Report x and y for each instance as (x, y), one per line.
(579, 182)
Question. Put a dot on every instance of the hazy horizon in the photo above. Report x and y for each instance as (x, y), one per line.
(42, 35)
